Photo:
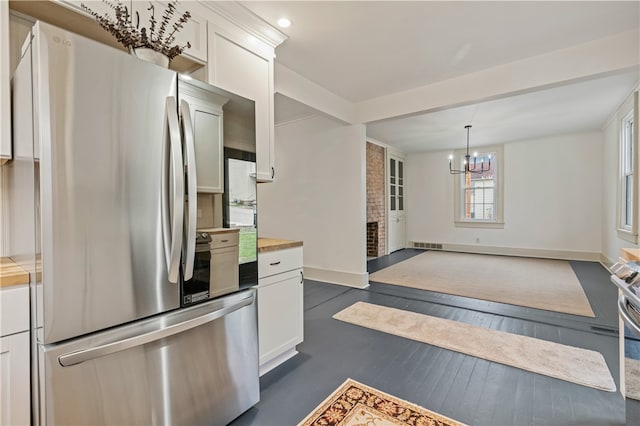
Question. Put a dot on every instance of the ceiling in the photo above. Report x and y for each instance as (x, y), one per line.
(575, 108)
(366, 49)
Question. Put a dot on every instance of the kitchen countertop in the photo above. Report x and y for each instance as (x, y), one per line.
(11, 273)
(219, 230)
(272, 244)
(630, 253)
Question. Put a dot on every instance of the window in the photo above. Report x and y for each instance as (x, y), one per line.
(478, 196)
(626, 160)
(627, 222)
(479, 190)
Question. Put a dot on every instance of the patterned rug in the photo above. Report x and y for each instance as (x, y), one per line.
(355, 404)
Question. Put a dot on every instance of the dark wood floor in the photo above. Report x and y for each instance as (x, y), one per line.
(468, 389)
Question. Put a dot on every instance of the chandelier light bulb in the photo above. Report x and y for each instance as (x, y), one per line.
(450, 157)
(475, 154)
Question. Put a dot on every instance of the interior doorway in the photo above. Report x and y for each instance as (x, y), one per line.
(396, 205)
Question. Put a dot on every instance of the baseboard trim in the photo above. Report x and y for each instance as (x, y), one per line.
(525, 252)
(349, 279)
(605, 261)
(273, 363)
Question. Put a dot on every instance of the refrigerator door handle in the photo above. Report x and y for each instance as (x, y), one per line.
(192, 204)
(162, 332)
(173, 188)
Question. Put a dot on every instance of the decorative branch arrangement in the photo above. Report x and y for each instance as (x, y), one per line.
(132, 36)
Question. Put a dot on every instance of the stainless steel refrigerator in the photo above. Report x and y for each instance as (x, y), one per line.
(102, 211)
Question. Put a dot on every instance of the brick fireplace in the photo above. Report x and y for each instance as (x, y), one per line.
(375, 201)
(372, 239)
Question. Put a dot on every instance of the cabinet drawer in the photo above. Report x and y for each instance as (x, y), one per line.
(226, 239)
(278, 261)
(224, 271)
(14, 308)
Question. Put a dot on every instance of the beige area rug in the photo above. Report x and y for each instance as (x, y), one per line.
(355, 404)
(632, 378)
(536, 283)
(576, 365)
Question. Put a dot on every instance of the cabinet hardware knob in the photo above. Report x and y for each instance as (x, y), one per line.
(275, 263)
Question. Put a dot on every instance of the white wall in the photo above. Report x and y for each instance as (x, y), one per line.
(319, 197)
(552, 200)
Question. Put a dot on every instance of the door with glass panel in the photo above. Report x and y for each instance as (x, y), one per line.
(396, 230)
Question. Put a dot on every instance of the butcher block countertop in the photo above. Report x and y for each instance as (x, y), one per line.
(12, 274)
(219, 230)
(630, 253)
(272, 244)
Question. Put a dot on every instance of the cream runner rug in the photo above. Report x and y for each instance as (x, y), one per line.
(536, 283)
(355, 404)
(576, 365)
(632, 378)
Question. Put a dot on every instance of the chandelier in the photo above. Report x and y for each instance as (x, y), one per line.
(467, 161)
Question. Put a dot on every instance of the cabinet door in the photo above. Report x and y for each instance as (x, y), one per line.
(5, 95)
(15, 403)
(224, 271)
(237, 69)
(280, 314)
(208, 137)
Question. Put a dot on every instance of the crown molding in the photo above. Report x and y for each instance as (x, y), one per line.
(247, 20)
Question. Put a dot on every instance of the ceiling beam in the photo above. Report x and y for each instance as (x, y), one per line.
(598, 58)
(294, 86)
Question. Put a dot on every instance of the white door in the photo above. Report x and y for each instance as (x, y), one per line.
(396, 234)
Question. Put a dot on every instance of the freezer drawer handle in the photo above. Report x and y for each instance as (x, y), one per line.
(78, 357)
(622, 310)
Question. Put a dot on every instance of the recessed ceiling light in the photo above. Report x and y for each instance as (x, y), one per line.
(284, 23)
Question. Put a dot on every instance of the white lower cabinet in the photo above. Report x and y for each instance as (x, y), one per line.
(225, 276)
(224, 271)
(280, 314)
(15, 399)
(15, 385)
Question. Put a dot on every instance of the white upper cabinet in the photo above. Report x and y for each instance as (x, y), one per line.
(240, 60)
(206, 119)
(237, 69)
(5, 94)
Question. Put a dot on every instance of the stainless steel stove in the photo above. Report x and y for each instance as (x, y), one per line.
(629, 313)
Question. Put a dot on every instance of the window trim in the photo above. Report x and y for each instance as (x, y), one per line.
(630, 106)
(458, 220)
